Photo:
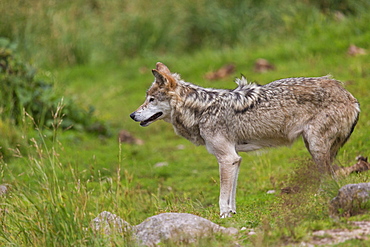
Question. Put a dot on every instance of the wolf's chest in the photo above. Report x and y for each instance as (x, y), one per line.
(190, 133)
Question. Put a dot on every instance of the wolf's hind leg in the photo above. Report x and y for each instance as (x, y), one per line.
(319, 147)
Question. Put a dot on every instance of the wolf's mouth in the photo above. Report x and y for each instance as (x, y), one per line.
(151, 119)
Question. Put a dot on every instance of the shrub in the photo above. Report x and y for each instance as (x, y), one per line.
(22, 93)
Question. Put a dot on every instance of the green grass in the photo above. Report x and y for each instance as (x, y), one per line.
(66, 181)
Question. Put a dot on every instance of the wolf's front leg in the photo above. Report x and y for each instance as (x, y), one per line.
(228, 181)
(229, 162)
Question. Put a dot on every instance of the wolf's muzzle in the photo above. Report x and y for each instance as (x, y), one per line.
(146, 122)
(132, 115)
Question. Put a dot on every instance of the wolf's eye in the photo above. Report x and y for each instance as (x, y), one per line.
(151, 99)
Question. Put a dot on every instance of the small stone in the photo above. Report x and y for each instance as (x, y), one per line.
(3, 189)
(161, 164)
(181, 147)
(107, 223)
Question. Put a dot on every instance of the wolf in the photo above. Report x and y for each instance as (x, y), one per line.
(251, 117)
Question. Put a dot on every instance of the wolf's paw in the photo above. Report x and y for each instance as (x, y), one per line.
(227, 214)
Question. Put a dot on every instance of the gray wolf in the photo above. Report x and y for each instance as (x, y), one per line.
(251, 117)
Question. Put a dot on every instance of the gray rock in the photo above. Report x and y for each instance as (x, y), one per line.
(107, 223)
(3, 189)
(350, 199)
(177, 227)
(174, 227)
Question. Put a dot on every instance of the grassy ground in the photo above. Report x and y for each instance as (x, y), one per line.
(68, 181)
(70, 177)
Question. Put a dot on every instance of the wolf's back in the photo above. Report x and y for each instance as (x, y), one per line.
(287, 108)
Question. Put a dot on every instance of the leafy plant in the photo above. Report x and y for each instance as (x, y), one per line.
(21, 92)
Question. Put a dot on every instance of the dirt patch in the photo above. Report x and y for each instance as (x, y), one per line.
(221, 73)
(336, 236)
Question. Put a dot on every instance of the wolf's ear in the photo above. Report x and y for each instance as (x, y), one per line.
(159, 78)
(163, 68)
(164, 80)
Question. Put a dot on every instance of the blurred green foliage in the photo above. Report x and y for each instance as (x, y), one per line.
(21, 92)
(82, 31)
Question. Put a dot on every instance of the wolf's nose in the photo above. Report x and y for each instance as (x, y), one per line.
(132, 115)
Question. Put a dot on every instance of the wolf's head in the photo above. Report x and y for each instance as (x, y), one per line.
(157, 102)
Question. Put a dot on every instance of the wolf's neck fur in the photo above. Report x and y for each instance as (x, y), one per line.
(195, 97)
(191, 101)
